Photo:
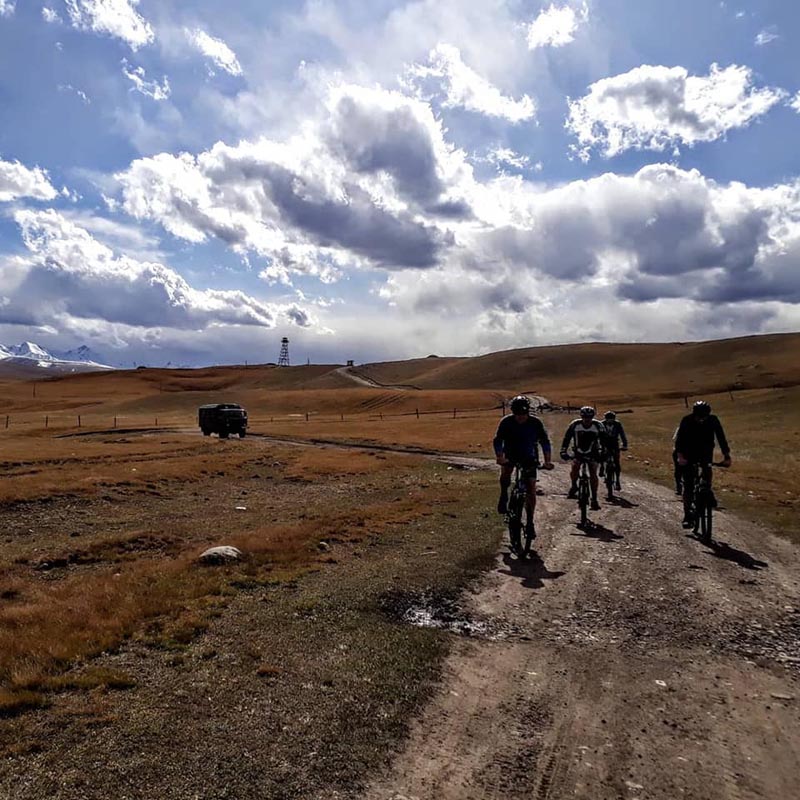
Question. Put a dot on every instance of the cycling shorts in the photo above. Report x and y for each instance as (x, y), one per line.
(529, 468)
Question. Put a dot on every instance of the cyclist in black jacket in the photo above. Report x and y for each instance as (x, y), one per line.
(694, 444)
(615, 434)
(518, 439)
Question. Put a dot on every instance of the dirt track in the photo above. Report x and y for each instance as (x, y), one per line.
(632, 662)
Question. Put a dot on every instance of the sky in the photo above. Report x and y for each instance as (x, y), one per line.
(187, 181)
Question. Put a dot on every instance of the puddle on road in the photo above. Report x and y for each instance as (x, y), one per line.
(427, 609)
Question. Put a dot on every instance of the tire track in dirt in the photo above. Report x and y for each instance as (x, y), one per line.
(631, 671)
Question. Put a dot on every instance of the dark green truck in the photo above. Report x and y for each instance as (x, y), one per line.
(223, 419)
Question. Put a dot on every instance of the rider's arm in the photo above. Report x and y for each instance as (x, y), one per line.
(622, 435)
(568, 435)
(681, 434)
(544, 439)
(723, 442)
(500, 437)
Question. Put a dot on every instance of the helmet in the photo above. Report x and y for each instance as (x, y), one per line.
(588, 412)
(701, 409)
(520, 405)
(610, 415)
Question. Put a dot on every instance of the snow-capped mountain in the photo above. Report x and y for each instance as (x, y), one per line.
(30, 354)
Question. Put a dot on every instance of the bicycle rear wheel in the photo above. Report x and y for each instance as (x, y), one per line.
(526, 540)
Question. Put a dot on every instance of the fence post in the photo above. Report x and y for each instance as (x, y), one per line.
(504, 407)
(454, 413)
(115, 422)
(686, 401)
(417, 413)
(730, 392)
(342, 417)
(79, 420)
(381, 413)
(7, 418)
(47, 422)
(306, 416)
(156, 422)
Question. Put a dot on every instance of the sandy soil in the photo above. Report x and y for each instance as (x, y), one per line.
(627, 661)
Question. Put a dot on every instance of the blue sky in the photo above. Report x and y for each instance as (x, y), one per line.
(389, 179)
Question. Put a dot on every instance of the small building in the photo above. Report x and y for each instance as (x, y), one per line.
(350, 362)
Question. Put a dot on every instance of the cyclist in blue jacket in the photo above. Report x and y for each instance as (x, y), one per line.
(517, 441)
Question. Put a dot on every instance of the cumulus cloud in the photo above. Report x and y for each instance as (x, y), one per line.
(658, 107)
(152, 89)
(350, 189)
(17, 180)
(502, 157)
(69, 275)
(215, 50)
(795, 102)
(7, 7)
(462, 87)
(117, 18)
(556, 26)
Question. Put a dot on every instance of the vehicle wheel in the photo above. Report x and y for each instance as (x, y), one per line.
(242, 434)
(526, 542)
(206, 432)
(223, 434)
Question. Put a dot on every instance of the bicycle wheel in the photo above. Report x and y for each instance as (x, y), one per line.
(526, 540)
(705, 522)
(515, 521)
(583, 501)
(611, 476)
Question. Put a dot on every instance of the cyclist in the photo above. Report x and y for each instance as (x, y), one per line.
(694, 444)
(615, 434)
(585, 436)
(677, 468)
(517, 441)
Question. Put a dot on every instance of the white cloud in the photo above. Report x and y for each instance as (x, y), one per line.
(214, 49)
(152, 89)
(658, 107)
(350, 189)
(69, 275)
(17, 180)
(50, 15)
(795, 102)
(556, 26)
(766, 36)
(117, 18)
(68, 87)
(505, 156)
(465, 88)
(7, 7)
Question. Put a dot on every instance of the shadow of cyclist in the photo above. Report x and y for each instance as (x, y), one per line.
(594, 530)
(740, 557)
(616, 500)
(532, 571)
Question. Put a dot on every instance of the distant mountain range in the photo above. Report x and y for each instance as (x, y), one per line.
(30, 354)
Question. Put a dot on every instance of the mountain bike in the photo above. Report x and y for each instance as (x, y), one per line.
(703, 501)
(521, 540)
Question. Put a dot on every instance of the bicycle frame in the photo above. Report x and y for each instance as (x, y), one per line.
(584, 488)
(703, 501)
(518, 502)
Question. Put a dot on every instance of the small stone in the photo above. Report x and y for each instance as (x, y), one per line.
(781, 696)
(324, 547)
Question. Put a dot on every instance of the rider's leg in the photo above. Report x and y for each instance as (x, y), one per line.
(505, 482)
(593, 482)
(573, 476)
(677, 473)
(618, 467)
(530, 500)
(687, 478)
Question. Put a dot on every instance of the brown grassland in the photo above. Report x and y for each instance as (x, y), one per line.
(102, 524)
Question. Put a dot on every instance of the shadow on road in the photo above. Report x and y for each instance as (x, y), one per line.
(593, 530)
(616, 500)
(532, 571)
(740, 557)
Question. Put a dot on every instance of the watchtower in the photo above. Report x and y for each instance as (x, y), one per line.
(283, 358)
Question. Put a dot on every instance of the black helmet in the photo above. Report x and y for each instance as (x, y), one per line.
(588, 411)
(520, 405)
(610, 415)
(701, 409)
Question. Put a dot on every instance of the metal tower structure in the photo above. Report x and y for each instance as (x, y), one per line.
(283, 358)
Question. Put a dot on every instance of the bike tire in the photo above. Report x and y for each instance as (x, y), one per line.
(583, 503)
(706, 516)
(515, 522)
(526, 542)
(610, 477)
